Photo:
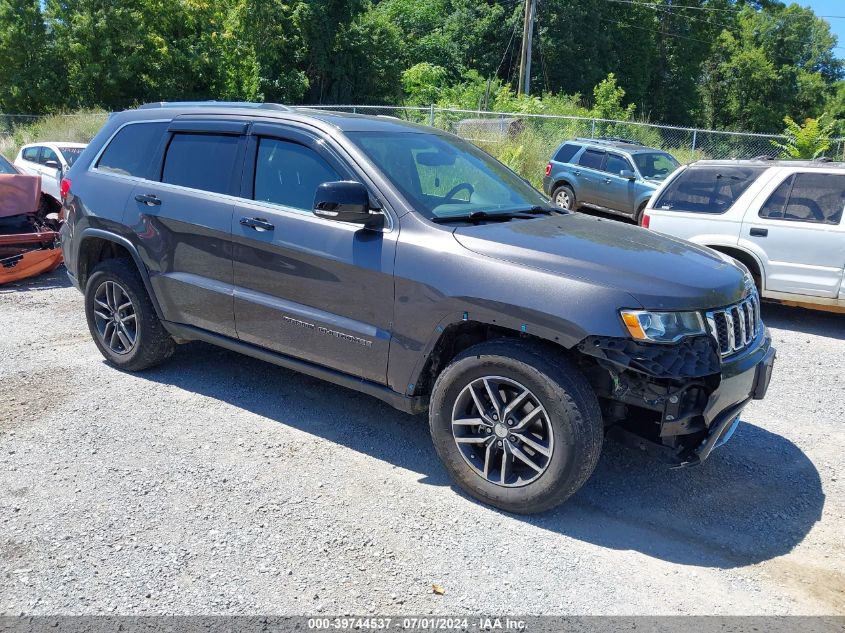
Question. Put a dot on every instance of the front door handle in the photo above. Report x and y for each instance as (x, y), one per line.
(759, 232)
(259, 224)
(577, 173)
(149, 199)
(607, 181)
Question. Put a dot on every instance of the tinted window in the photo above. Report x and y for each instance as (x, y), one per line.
(809, 197)
(48, 154)
(655, 165)
(201, 161)
(592, 159)
(615, 164)
(131, 150)
(774, 206)
(6, 166)
(565, 153)
(289, 174)
(31, 153)
(71, 154)
(442, 176)
(707, 189)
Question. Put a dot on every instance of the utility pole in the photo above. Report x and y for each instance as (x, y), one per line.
(525, 55)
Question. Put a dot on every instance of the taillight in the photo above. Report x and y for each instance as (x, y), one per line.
(548, 168)
(645, 221)
(64, 188)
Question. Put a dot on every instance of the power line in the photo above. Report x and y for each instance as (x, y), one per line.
(667, 34)
(653, 5)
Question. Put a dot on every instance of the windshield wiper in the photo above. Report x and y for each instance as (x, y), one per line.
(478, 216)
(481, 216)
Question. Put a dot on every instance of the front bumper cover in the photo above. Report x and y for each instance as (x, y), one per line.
(697, 396)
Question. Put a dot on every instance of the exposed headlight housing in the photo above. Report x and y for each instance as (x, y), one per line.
(662, 327)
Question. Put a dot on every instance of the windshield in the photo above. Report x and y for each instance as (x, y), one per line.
(6, 166)
(655, 165)
(443, 177)
(71, 154)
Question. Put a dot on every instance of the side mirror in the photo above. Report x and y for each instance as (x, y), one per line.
(627, 173)
(52, 164)
(346, 201)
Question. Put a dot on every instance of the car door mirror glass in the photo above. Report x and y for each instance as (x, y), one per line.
(627, 173)
(346, 201)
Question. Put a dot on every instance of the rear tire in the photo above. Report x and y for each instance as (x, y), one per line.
(122, 319)
(638, 216)
(564, 197)
(487, 460)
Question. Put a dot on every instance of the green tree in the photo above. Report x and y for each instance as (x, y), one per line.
(807, 141)
(26, 70)
(607, 101)
(423, 83)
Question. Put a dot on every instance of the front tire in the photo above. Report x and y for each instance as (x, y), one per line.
(121, 317)
(515, 426)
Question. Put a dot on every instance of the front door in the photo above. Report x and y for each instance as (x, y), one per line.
(800, 230)
(307, 287)
(617, 192)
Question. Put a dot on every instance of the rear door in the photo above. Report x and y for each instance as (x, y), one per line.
(49, 174)
(305, 286)
(617, 193)
(590, 177)
(183, 221)
(29, 161)
(799, 228)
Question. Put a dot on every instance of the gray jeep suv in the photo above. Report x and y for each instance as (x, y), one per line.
(403, 262)
(612, 175)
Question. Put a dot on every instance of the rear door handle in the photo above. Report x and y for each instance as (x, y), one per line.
(759, 232)
(149, 199)
(607, 181)
(259, 224)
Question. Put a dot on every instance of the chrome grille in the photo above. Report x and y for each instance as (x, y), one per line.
(735, 327)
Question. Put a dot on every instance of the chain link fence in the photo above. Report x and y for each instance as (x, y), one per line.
(522, 141)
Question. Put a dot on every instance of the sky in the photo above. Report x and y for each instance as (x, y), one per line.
(831, 7)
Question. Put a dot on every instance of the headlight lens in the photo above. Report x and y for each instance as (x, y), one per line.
(662, 327)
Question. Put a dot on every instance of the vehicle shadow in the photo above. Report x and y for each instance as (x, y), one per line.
(48, 281)
(755, 499)
(817, 322)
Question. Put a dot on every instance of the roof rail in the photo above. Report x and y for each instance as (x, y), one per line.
(213, 104)
(823, 159)
(608, 139)
(764, 157)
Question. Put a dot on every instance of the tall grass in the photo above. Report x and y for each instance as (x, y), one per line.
(79, 127)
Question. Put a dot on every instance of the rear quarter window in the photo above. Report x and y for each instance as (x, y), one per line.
(130, 151)
(566, 152)
(707, 189)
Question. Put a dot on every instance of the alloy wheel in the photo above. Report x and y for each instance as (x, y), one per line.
(502, 431)
(562, 200)
(115, 317)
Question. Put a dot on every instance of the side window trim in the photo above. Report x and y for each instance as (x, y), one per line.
(624, 159)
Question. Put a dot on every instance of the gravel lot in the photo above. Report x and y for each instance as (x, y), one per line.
(221, 484)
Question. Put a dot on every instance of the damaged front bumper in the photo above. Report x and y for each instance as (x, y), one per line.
(678, 401)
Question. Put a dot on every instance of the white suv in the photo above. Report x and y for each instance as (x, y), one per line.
(782, 219)
(50, 161)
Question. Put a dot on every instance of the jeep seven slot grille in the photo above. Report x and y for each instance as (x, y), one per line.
(736, 326)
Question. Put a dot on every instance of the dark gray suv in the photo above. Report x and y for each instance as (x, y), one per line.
(403, 262)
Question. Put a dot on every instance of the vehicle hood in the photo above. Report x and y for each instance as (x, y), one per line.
(658, 271)
(19, 194)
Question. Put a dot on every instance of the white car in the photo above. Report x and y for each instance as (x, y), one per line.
(782, 219)
(50, 161)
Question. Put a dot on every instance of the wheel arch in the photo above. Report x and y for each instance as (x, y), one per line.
(97, 245)
(458, 336)
(749, 259)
